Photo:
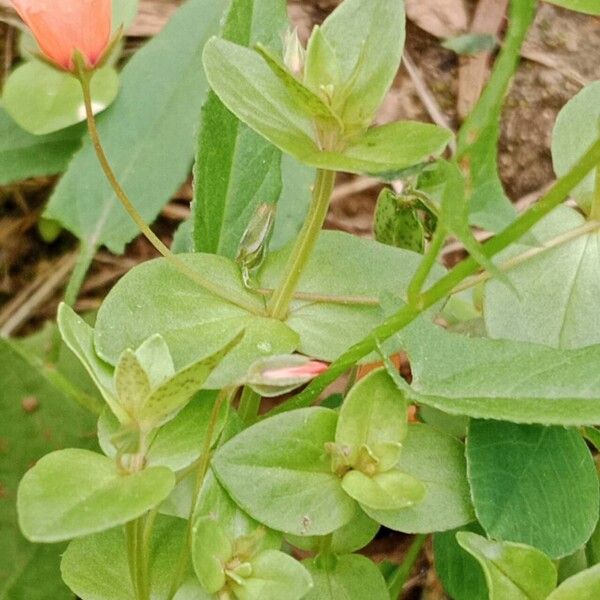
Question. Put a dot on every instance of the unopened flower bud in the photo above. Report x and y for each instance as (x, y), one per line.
(294, 54)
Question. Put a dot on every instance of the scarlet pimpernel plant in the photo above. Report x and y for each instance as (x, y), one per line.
(196, 488)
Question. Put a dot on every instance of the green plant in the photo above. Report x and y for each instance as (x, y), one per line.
(197, 493)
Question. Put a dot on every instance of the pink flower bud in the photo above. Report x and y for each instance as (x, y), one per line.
(62, 27)
(308, 371)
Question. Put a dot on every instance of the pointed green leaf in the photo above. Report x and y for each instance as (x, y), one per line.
(71, 493)
(78, 336)
(174, 393)
(525, 476)
(512, 571)
(131, 382)
(249, 88)
(279, 473)
(386, 150)
(367, 37)
(155, 358)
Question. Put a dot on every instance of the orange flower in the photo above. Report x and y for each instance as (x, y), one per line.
(62, 27)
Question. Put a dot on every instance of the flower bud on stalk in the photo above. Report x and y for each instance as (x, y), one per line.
(64, 28)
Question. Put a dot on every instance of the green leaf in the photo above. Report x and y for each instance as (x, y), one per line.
(96, 567)
(471, 43)
(155, 358)
(557, 290)
(583, 586)
(479, 135)
(367, 39)
(78, 336)
(154, 110)
(275, 575)
(215, 501)
(589, 7)
(525, 476)
(43, 100)
(348, 267)
(279, 473)
(71, 493)
(236, 169)
(194, 322)
(248, 87)
(512, 571)
(500, 379)
(353, 577)
(178, 443)
(373, 415)
(577, 127)
(391, 490)
(37, 418)
(383, 151)
(293, 202)
(354, 535)
(458, 571)
(176, 392)
(131, 382)
(23, 155)
(437, 460)
(211, 549)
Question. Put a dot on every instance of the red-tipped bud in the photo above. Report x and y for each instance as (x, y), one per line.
(310, 370)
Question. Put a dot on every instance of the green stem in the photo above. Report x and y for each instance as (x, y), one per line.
(225, 395)
(279, 302)
(400, 576)
(84, 78)
(82, 266)
(557, 194)
(595, 211)
(135, 555)
(249, 405)
(425, 266)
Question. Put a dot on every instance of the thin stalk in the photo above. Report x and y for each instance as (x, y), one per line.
(425, 266)
(84, 78)
(557, 194)
(249, 405)
(135, 557)
(400, 576)
(225, 395)
(82, 266)
(279, 302)
(595, 211)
